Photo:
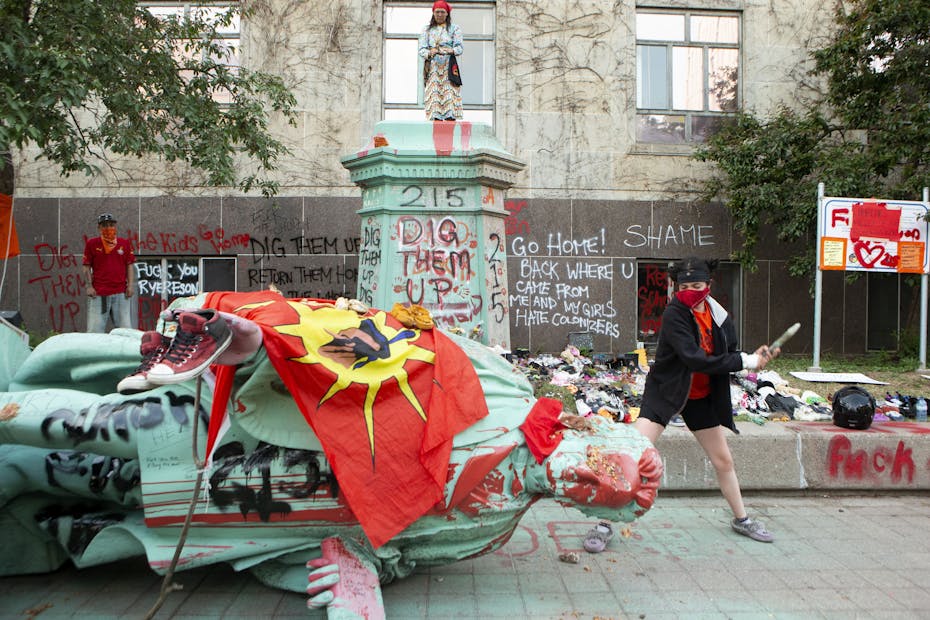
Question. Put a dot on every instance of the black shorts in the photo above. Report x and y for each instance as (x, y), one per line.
(697, 414)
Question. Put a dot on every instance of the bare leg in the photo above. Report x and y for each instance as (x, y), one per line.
(715, 446)
(651, 430)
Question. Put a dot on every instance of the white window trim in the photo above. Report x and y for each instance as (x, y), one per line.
(686, 147)
(415, 35)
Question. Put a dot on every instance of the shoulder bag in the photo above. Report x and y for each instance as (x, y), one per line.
(454, 76)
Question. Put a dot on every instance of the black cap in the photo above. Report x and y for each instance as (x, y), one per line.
(692, 269)
(103, 218)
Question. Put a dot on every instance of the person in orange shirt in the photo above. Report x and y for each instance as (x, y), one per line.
(110, 277)
(696, 352)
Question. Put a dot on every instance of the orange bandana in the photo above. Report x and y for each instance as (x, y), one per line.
(108, 236)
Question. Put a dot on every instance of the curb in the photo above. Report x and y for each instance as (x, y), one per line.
(806, 455)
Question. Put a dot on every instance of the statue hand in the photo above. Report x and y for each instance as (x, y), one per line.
(321, 581)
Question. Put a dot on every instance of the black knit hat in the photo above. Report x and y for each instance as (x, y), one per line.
(692, 269)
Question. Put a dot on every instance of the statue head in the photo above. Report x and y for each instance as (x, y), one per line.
(610, 472)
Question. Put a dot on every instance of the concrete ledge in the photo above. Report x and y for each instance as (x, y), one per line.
(806, 455)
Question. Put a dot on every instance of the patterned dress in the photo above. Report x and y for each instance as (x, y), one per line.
(442, 100)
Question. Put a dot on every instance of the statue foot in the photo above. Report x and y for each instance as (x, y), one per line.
(345, 582)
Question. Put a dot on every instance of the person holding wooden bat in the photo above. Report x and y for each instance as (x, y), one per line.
(696, 352)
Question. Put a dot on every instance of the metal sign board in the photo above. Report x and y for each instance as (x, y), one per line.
(871, 234)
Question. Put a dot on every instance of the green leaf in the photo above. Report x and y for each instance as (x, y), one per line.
(83, 78)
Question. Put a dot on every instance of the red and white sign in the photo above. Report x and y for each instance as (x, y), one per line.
(869, 234)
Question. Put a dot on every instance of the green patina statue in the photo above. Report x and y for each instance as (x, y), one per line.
(92, 476)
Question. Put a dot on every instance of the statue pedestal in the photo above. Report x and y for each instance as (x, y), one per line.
(433, 223)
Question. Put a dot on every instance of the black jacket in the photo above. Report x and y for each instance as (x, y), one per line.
(679, 354)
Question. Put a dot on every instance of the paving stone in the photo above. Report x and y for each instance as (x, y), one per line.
(682, 561)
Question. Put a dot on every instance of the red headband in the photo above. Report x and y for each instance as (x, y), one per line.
(442, 4)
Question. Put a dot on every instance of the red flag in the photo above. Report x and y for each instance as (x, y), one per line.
(9, 242)
(384, 400)
(219, 421)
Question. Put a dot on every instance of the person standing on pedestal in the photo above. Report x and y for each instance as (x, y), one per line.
(110, 277)
(439, 41)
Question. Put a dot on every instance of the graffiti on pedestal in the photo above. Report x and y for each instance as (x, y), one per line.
(369, 261)
(496, 278)
(436, 255)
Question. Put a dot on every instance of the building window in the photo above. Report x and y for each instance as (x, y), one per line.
(687, 74)
(222, 16)
(403, 68)
(159, 281)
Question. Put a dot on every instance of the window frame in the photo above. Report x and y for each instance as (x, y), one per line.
(489, 5)
(207, 4)
(687, 42)
(234, 37)
(142, 300)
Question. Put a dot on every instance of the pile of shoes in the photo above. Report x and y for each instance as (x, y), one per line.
(896, 407)
(765, 396)
(813, 408)
(601, 384)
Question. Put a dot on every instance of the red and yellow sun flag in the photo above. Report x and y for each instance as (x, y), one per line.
(384, 400)
(9, 242)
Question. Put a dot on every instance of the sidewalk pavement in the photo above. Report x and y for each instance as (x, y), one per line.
(835, 556)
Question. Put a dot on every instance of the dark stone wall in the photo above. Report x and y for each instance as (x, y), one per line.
(572, 263)
(307, 246)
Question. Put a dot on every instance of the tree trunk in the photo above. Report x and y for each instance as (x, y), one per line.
(6, 173)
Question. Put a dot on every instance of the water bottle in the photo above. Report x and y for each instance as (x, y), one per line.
(921, 409)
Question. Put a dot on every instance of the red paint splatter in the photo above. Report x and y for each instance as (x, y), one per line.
(609, 483)
(357, 587)
(875, 220)
(340, 515)
(576, 531)
(488, 494)
(502, 540)
(614, 480)
(860, 464)
(475, 470)
(465, 134)
(650, 471)
(516, 486)
(443, 137)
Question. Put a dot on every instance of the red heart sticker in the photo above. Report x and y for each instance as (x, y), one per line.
(868, 255)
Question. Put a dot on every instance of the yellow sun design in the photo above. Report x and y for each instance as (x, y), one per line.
(319, 326)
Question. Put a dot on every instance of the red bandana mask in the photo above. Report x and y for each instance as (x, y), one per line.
(691, 297)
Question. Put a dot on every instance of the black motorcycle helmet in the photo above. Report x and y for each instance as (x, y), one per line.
(853, 407)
